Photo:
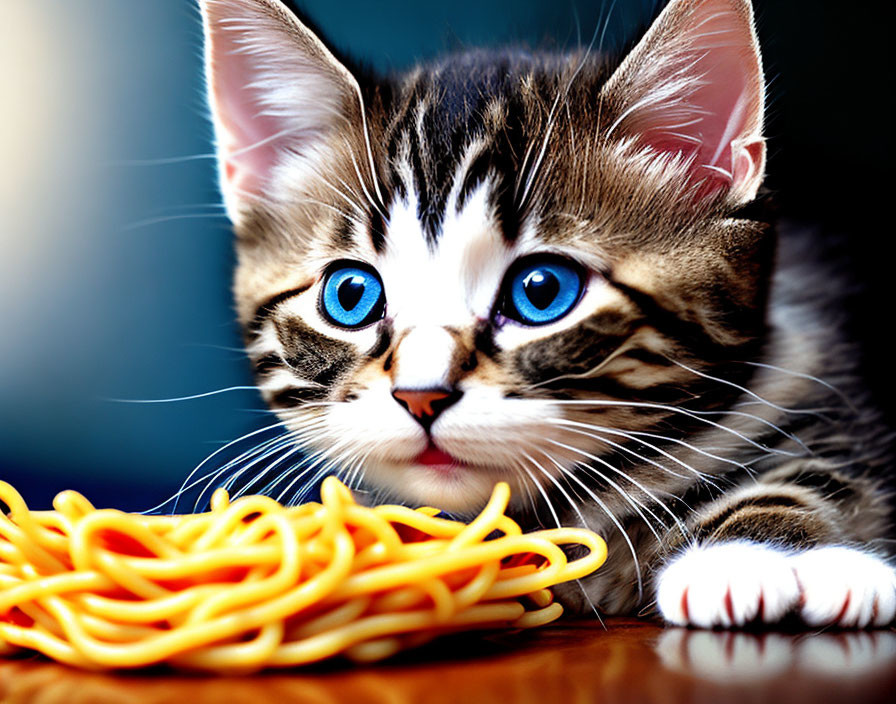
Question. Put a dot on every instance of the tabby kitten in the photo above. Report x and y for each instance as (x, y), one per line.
(553, 270)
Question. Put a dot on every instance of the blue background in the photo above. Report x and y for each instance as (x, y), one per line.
(115, 259)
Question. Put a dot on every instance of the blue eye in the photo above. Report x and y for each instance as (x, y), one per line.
(352, 296)
(542, 291)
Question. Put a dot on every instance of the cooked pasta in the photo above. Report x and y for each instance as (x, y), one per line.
(254, 584)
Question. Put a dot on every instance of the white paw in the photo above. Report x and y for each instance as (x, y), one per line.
(727, 584)
(845, 587)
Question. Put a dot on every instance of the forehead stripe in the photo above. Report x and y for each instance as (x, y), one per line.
(377, 231)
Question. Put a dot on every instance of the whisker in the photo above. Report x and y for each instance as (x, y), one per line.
(628, 450)
(162, 161)
(209, 479)
(186, 486)
(349, 466)
(357, 221)
(603, 32)
(572, 504)
(528, 489)
(192, 397)
(262, 447)
(293, 439)
(276, 451)
(743, 389)
(635, 435)
(367, 144)
(762, 421)
(536, 167)
(633, 502)
(537, 485)
(317, 458)
(241, 351)
(697, 415)
(808, 377)
(165, 161)
(245, 489)
(339, 192)
(336, 465)
(148, 222)
(268, 488)
(360, 471)
(818, 412)
(321, 456)
(603, 506)
(633, 481)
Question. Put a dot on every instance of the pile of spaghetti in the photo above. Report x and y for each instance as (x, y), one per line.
(254, 584)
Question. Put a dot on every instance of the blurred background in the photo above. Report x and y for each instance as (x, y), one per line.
(115, 257)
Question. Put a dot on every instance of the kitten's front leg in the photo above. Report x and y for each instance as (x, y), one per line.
(787, 545)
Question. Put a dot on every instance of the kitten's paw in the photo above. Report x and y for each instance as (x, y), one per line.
(727, 584)
(845, 587)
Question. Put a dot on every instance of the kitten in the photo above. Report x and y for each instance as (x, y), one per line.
(554, 270)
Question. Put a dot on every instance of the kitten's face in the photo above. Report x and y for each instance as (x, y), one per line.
(486, 273)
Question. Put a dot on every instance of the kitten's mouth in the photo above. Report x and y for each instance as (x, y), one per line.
(434, 457)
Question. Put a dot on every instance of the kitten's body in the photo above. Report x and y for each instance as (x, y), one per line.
(694, 402)
(833, 491)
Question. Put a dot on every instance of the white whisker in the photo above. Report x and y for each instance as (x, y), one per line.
(750, 393)
(808, 377)
(636, 505)
(184, 485)
(635, 482)
(148, 222)
(205, 394)
(615, 521)
(572, 505)
(696, 415)
(622, 448)
(635, 435)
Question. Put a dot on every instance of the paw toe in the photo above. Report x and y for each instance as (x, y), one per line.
(730, 584)
(845, 587)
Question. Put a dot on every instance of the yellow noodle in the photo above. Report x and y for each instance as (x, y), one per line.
(254, 584)
(542, 597)
(339, 616)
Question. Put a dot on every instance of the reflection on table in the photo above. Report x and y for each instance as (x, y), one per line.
(629, 661)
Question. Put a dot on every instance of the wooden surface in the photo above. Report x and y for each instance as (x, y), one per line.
(630, 661)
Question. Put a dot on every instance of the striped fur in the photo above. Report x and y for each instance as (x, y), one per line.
(700, 391)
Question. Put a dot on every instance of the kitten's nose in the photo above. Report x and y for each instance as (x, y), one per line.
(426, 404)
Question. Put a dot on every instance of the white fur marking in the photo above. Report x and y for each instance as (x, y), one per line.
(423, 358)
(725, 584)
(452, 283)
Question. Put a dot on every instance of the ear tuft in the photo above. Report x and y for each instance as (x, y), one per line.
(693, 88)
(276, 94)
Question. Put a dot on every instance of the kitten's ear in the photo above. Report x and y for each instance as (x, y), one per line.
(693, 86)
(276, 93)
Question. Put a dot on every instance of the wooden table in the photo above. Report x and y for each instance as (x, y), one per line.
(629, 661)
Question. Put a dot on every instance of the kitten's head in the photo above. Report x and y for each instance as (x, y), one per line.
(501, 266)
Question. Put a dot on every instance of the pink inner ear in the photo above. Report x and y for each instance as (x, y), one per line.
(720, 118)
(715, 116)
(248, 159)
(275, 90)
(248, 140)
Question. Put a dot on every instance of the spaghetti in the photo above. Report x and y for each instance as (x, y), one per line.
(254, 584)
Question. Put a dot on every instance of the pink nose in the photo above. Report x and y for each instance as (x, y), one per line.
(425, 405)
